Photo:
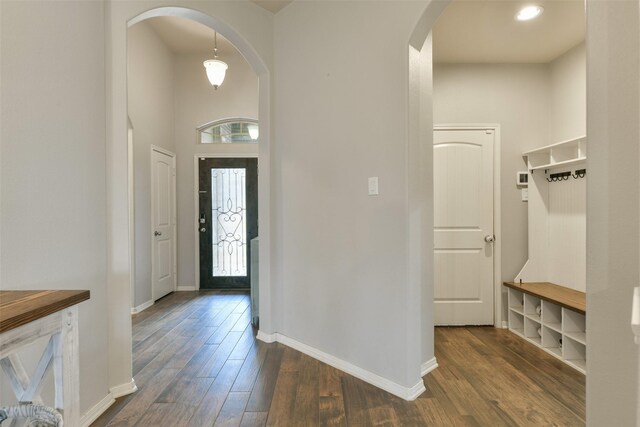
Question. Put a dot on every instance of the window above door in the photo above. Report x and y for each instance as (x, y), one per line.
(229, 131)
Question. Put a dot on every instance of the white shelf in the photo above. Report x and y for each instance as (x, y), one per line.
(561, 144)
(563, 333)
(565, 153)
(534, 317)
(558, 164)
(518, 309)
(517, 331)
(536, 340)
(555, 326)
(556, 351)
(581, 337)
(579, 364)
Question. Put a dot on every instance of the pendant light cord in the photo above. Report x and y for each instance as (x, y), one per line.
(215, 45)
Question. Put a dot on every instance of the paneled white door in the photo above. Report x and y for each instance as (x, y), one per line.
(463, 227)
(163, 220)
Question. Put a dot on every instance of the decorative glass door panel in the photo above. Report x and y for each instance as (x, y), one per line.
(228, 210)
(228, 220)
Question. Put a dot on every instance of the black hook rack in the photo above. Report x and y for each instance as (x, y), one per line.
(580, 173)
(563, 176)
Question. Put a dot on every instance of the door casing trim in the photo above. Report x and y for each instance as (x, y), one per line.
(196, 200)
(497, 221)
(174, 218)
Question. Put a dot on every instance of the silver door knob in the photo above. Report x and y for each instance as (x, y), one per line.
(157, 233)
(202, 230)
(489, 238)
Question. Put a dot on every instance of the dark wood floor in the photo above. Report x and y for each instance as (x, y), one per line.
(196, 363)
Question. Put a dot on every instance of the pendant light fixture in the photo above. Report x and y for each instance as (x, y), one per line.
(216, 69)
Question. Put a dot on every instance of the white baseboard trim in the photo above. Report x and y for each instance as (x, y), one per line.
(428, 366)
(268, 338)
(406, 393)
(141, 307)
(505, 324)
(182, 288)
(123, 389)
(98, 409)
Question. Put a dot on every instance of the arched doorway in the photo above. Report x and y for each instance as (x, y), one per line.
(237, 27)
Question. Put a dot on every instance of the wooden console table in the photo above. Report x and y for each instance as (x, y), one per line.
(26, 316)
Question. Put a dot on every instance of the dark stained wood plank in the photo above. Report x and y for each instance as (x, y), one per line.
(254, 419)
(262, 392)
(188, 391)
(144, 398)
(233, 409)
(253, 362)
(197, 362)
(246, 341)
(18, 308)
(225, 327)
(568, 298)
(166, 414)
(212, 402)
(220, 356)
(486, 377)
(355, 402)
(331, 403)
(307, 393)
(284, 399)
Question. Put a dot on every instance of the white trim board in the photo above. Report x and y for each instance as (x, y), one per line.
(497, 219)
(428, 366)
(196, 199)
(141, 307)
(183, 288)
(123, 389)
(98, 409)
(406, 393)
(101, 407)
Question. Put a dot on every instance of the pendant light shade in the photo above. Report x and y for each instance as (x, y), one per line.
(216, 69)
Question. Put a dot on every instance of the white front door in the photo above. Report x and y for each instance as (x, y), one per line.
(163, 223)
(463, 226)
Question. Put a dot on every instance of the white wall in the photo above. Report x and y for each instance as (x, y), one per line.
(341, 115)
(536, 105)
(518, 98)
(569, 94)
(197, 103)
(613, 210)
(53, 194)
(151, 110)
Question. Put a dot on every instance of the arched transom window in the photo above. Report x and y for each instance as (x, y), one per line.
(229, 131)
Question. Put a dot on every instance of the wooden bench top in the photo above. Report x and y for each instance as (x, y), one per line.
(565, 297)
(18, 308)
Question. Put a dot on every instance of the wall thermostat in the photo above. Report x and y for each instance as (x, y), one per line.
(522, 179)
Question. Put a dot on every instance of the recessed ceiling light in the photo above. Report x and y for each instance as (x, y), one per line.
(529, 12)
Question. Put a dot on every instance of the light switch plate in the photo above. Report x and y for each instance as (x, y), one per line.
(373, 185)
(525, 194)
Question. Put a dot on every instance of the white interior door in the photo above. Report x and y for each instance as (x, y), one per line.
(163, 223)
(463, 227)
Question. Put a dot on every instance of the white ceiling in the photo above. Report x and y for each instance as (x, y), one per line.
(182, 35)
(469, 31)
(481, 31)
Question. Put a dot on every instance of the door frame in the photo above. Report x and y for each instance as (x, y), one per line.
(174, 218)
(497, 230)
(196, 199)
